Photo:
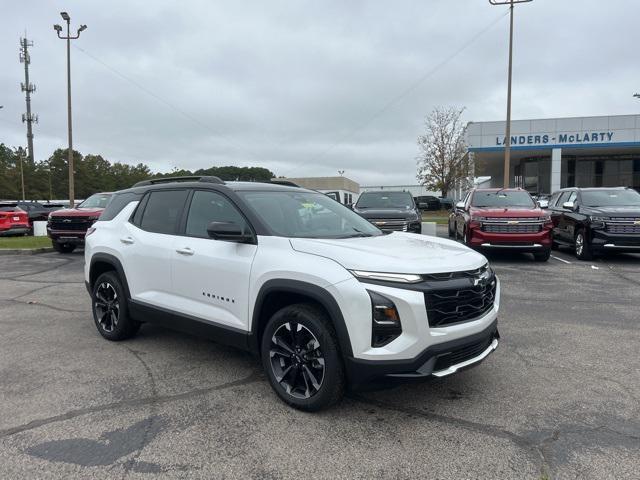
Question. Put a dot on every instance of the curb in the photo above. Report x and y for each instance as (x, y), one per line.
(25, 251)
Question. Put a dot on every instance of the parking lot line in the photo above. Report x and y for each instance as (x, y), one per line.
(561, 259)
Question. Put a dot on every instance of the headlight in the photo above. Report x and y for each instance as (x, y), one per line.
(387, 277)
(478, 219)
(546, 218)
(600, 219)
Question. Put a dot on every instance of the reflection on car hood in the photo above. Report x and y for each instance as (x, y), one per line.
(403, 213)
(77, 212)
(397, 252)
(507, 211)
(630, 211)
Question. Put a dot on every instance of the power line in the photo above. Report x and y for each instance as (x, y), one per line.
(410, 89)
(164, 101)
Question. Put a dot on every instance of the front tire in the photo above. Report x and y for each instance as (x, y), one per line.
(582, 246)
(452, 233)
(301, 357)
(542, 256)
(110, 311)
(63, 247)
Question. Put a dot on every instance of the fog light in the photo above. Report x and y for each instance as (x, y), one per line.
(386, 324)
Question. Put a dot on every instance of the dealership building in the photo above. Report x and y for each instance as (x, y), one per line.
(549, 154)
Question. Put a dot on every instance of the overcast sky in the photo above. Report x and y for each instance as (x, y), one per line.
(306, 88)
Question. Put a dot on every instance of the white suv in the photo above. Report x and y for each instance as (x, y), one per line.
(325, 298)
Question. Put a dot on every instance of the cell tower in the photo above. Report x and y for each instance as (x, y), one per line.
(28, 88)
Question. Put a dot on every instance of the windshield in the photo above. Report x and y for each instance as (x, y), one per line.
(307, 215)
(610, 198)
(99, 200)
(502, 199)
(385, 200)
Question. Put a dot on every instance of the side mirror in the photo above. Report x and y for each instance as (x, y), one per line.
(349, 205)
(229, 232)
(460, 205)
(569, 205)
(542, 204)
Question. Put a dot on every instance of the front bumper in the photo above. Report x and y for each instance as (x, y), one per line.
(437, 360)
(523, 242)
(72, 236)
(603, 241)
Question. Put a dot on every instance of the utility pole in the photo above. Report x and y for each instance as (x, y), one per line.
(28, 88)
(507, 135)
(21, 157)
(65, 16)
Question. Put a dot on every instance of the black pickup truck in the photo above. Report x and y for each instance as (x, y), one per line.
(596, 220)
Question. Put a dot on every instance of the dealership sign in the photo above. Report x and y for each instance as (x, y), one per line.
(561, 138)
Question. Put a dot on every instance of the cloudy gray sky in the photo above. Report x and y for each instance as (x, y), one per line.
(306, 88)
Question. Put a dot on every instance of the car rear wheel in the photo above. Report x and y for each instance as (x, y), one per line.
(110, 312)
(301, 357)
(583, 249)
(63, 247)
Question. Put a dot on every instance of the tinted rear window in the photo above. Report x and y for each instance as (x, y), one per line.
(162, 211)
(117, 203)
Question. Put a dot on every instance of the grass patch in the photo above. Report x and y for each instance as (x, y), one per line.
(24, 242)
(441, 217)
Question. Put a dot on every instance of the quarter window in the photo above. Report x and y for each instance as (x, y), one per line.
(163, 210)
(207, 207)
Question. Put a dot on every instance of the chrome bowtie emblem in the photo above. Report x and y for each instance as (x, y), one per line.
(67, 220)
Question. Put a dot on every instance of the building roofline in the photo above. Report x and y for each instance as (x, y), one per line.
(555, 118)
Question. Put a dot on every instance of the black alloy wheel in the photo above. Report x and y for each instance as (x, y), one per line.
(301, 357)
(107, 306)
(110, 309)
(297, 360)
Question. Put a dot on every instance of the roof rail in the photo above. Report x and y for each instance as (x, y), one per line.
(288, 183)
(186, 178)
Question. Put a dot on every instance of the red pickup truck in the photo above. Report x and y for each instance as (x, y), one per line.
(67, 228)
(505, 218)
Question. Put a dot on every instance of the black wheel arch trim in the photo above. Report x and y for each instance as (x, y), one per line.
(316, 293)
(117, 266)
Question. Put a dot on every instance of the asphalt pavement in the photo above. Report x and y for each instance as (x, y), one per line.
(560, 398)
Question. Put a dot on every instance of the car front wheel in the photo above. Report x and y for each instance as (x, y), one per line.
(583, 249)
(542, 256)
(301, 357)
(63, 247)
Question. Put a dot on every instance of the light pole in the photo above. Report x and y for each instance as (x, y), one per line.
(65, 16)
(507, 139)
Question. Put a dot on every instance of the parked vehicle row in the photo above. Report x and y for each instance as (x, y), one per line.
(590, 220)
(324, 297)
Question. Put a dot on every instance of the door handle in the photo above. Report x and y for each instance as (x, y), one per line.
(185, 251)
(127, 240)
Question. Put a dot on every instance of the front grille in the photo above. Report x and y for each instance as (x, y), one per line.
(517, 228)
(462, 354)
(70, 223)
(390, 224)
(445, 307)
(623, 228)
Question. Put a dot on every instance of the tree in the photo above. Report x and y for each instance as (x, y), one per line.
(442, 159)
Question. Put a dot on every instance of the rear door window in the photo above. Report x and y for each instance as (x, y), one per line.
(163, 210)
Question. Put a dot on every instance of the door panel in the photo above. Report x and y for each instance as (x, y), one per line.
(211, 277)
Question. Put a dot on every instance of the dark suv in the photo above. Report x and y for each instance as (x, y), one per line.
(390, 211)
(596, 220)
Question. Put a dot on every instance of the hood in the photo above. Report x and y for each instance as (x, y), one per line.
(630, 211)
(524, 212)
(397, 252)
(402, 213)
(77, 212)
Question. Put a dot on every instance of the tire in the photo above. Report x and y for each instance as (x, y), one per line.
(582, 246)
(452, 233)
(308, 381)
(63, 247)
(554, 245)
(542, 256)
(110, 310)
